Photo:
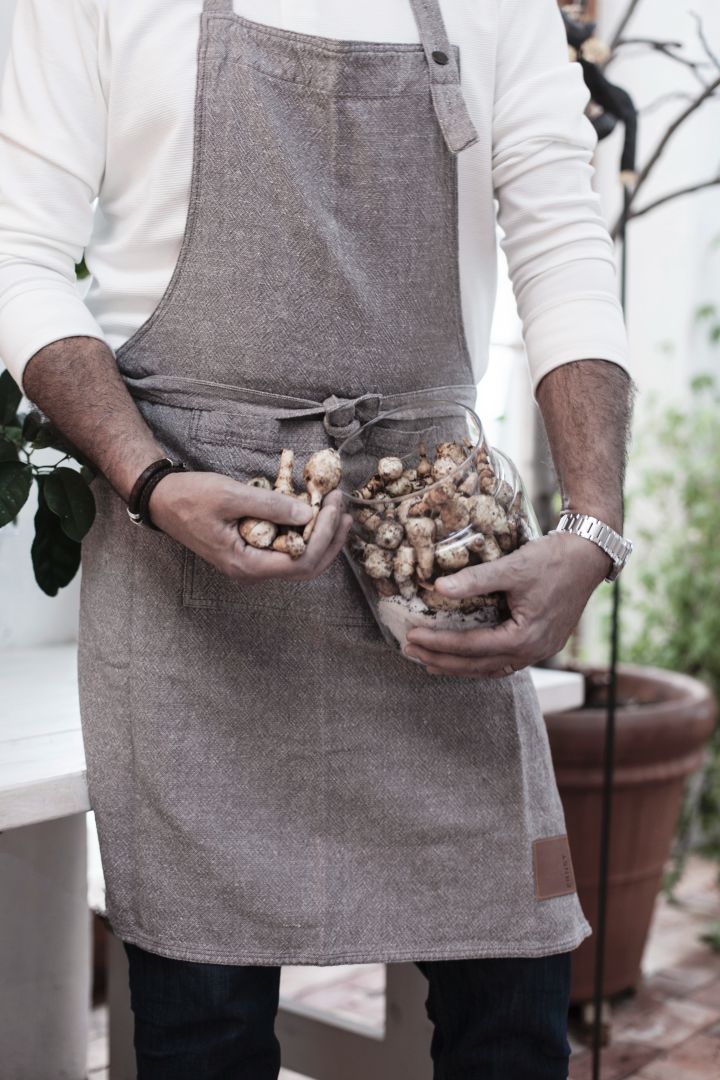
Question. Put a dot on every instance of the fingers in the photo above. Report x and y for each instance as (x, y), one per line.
(336, 546)
(327, 539)
(244, 500)
(470, 667)
(505, 639)
(479, 580)
(323, 534)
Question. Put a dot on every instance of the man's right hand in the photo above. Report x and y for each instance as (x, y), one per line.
(202, 509)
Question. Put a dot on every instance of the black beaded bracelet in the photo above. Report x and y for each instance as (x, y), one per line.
(143, 487)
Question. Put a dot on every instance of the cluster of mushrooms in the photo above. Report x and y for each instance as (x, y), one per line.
(321, 474)
(435, 519)
(415, 524)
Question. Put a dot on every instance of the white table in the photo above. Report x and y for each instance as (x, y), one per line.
(45, 917)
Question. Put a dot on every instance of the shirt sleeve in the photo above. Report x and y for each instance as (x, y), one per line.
(52, 155)
(556, 240)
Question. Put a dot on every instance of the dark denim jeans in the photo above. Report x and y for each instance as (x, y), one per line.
(493, 1019)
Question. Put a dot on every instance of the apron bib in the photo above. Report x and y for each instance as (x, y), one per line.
(271, 782)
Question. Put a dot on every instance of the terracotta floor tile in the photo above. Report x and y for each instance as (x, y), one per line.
(650, 994)
(618, 1061)
(708, 995)
(698, 1058)
(682, 979)
(664, 1026)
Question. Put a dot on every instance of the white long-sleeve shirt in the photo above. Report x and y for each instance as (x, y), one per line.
(96, 125)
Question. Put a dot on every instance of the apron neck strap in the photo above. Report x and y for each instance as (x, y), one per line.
(218, 5)
(442, 57)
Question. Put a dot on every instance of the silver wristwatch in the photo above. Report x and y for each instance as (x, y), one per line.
(613, 544)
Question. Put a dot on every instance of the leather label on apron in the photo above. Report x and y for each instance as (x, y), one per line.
(554, 875)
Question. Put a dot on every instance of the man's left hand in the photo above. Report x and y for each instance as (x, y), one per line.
(547, 581)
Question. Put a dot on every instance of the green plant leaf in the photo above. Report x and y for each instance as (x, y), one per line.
(672, 608)
(55, 556)
(68, 496)
(8, 450)
(32, 424)
(15, 480)
(13, 432)
(10, 398)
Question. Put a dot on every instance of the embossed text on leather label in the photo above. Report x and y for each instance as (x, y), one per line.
(554, 875)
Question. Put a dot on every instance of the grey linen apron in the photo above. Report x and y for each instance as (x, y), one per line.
(271, 782)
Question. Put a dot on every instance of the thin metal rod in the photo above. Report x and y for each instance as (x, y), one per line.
(608, 755)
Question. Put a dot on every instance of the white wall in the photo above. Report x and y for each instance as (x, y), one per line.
(7, 10)
(671, 268)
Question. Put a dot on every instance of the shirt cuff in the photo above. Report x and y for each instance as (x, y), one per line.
(37, 317)
(580, 328)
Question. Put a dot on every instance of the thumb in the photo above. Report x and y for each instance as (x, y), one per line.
(250, 501)
(478, 580)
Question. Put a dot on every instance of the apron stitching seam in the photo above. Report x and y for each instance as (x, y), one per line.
(459, 320)
(332, 93)
(315, 41)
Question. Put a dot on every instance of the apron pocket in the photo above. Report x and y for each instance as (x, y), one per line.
(333, 597)
(391, 439)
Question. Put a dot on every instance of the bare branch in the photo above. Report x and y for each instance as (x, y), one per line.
(703, 39)
(665, 47)
(673, 195)
(673, 95)
(657, 153)
(625, 19)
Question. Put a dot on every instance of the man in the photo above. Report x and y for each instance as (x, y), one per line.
(294, 228)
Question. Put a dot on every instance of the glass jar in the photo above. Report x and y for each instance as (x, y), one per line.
(429, 496)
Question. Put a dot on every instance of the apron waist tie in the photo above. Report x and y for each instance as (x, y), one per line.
(341, 416)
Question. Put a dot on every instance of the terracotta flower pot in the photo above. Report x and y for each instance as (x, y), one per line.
(663, 721)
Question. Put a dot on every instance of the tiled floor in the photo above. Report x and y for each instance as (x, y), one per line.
(668, 1030)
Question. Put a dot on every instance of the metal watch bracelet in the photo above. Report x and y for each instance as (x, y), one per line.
(591, 528)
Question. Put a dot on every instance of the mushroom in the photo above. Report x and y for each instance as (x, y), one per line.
(421, 534)
(321, 474)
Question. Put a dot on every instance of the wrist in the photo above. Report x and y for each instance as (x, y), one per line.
(132, 468)
(611, 542)
(594, 555)
(138, 506)
(610, 514)
(162, 496)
